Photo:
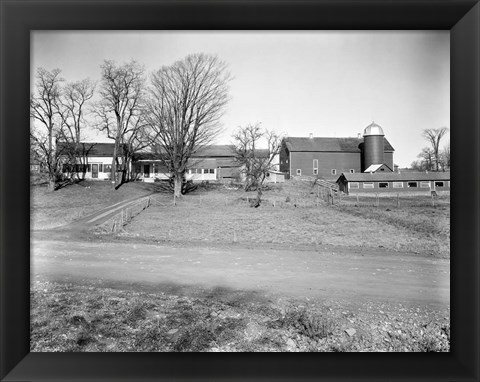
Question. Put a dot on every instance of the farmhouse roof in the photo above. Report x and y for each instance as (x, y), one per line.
(92, 149)
(202, 163)
(394, 176)
(329, 144)
(215, 151)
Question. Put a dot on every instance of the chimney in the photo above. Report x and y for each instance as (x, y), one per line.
(311, 135)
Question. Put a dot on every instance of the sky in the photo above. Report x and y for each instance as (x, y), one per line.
(325, 83)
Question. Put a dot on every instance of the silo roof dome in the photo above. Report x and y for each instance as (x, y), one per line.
(373, 129)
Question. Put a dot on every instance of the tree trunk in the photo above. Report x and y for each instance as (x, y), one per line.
(113, 171)
(177, 183)
(51, 185)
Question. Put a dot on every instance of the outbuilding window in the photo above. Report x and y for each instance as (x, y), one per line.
(397, 184)
(315, 166)
(334, 171)
(383, 185)
(412, 184)
(367, 185)
(354, 185)
(352, 171)
(424, 184)
(439, 184)
(299, 171)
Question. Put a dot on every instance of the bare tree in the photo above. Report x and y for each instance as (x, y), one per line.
(445, 154)
(256, 162)
(44, 109)
(187, 100)
(120, 110)
(427, 157)
(434, 136)
(72, 108)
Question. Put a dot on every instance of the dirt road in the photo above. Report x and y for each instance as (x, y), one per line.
(327, 272)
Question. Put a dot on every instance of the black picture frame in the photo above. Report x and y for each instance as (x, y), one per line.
(19, 17)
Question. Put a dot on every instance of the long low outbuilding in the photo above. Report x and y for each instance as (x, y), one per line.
(396, 182)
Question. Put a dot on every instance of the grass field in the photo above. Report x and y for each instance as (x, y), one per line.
(50, 209)
(225, 216)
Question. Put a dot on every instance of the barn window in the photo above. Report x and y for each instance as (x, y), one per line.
(299, 171)
(315, 167)
(383, 184)
(352, 171)
(439, 184)
(367, 185)
(412, 184)
(397, 184)
(334, 172)
(354, 185)
(315, 171)
(425, 184)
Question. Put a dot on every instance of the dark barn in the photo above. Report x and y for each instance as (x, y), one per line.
(327, 158)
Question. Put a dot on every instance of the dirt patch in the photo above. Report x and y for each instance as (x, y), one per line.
(84, 318)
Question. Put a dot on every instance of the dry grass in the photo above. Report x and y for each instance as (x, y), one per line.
(50, 209)
(88, 318)
(225, 216)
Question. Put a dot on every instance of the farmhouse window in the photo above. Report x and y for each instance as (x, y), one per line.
(155, 168)
(100, 167)
(397, 184)
(412, 184)
(352, 171)
(211, 171)
(89, 168)
(439, 184)
(367, 185)
(106, 168)
(354, 185)
(425, 184)
(383, 185)
(299, 171)
(334, 171)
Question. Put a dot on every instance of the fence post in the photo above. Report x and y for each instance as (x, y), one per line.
(358, 201)
(433, 200)
(398, 201)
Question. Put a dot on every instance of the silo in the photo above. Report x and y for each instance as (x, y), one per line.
(373, 146)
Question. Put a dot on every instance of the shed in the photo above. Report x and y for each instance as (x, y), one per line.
(387, 182)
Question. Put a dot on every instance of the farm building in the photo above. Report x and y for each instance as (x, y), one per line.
(328, 157)
(96, 159)
(215, 162)
(387, 182)
(274, 177)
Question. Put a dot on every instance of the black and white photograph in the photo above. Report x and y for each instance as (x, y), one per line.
(240, 191)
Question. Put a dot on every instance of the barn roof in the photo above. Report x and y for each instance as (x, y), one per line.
(329, 144)
(394, 176)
